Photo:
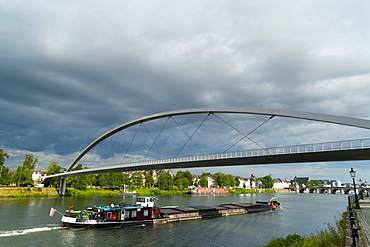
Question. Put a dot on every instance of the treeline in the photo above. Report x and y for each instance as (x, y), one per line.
(118, 180)
(23, 175)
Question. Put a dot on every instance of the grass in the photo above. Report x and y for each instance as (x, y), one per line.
(93, 192)
(330, 237)
(18, 192)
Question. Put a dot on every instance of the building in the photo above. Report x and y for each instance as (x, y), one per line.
(280, 184)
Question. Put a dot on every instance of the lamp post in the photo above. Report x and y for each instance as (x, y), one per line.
(367, 189)
(353, 175)
(360, 183)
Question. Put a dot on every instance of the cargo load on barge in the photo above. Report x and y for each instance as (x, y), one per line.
(144, 212)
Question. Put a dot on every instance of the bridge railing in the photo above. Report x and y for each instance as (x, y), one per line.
(316, 147)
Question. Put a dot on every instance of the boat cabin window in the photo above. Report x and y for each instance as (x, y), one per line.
(140, 199)
(127, 214)
(133, 214)
(146, 213)
(109, 215)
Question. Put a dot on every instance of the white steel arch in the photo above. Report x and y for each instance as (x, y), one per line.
(340, 120)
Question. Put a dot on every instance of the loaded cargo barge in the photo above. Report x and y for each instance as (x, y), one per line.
(144, 212)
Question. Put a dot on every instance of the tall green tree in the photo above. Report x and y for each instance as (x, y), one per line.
(23, 176)
(182, 183)
(203, 182)
(165, 181)
(137, 180)
(53, 168)
(149, 181)
(79, 182)
(3, 157)
(267, 181)
(189, 176)
(30, 161)
(5, 176)
(113, 180)
(224, 180)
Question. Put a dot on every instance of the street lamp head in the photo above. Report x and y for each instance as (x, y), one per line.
(352, 173)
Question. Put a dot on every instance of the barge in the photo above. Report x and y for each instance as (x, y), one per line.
(144, 212)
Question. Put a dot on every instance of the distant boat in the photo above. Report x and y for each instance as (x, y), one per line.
(204, 190)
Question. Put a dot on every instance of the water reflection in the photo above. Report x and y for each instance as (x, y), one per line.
(242, 230)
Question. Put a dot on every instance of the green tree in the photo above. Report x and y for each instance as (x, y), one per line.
(179, 174)
(5, 177)
(189, 176)
(137, 180)
(165, 181)
(78, 182)
(3, 157)
(30, 161)
(113, 180)
(182, 183)
(53, 168)
(23, 176)
(203, 182)
(267, 181)
(149, 181)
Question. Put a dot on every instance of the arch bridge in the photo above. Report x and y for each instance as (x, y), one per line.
(331, 190)
(318, 152)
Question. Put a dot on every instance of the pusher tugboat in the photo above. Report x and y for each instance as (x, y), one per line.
(143, 211)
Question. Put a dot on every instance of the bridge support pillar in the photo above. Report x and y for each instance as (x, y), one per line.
(62, 186)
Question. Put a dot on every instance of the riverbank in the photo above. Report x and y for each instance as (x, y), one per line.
(17, 192)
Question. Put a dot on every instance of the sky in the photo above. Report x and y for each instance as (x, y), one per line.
(70, 71)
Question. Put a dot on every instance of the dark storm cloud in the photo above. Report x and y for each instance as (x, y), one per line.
(72, 71)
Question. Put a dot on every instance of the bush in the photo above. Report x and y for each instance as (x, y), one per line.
(332, 236)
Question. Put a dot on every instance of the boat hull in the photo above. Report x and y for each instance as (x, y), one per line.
(87, 223)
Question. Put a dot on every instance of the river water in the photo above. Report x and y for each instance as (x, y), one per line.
(25, 222)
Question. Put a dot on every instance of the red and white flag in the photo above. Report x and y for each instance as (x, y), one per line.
(52, 212)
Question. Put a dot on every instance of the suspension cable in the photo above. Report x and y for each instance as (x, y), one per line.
(194, 133)
(123, 137)
(115, 140)
(131, 142)
(186, 134)
(148, 132)
(245, 136)
(97, 151)
(157, 137)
